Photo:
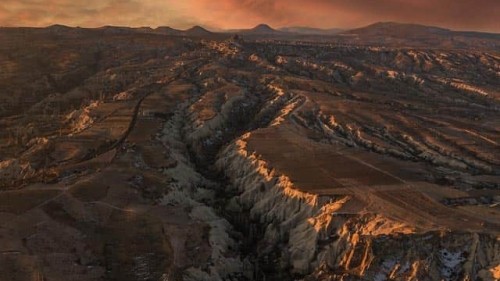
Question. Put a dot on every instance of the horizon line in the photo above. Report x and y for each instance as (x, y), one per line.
(215, 29)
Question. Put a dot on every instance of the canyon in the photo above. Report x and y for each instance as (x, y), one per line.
(140, 155)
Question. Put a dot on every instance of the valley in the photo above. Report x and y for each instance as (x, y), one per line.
(133, 155)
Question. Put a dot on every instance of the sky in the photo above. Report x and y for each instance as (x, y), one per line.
(480, 15)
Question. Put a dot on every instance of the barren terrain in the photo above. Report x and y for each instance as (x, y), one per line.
(157, 155)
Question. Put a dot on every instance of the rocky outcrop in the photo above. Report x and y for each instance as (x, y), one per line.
(79, 120)
(320, 240)
(189, 189)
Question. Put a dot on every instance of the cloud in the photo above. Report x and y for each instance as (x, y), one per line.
(91, 13)
(459, 14)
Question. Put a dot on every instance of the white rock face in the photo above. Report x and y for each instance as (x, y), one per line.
(81, 119)
(364, 244)
(185, 192)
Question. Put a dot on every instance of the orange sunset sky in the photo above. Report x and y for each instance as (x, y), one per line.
(481, 15)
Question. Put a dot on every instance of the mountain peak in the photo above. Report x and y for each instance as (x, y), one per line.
(197, 31)
(58, 27)
(263, 28)
(197, 28)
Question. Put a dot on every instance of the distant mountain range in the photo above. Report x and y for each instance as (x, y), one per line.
(387, 29)
(408, 30)
(378, 34)
(380, 29)
(195, 31)
(397, 29)
(416, 35)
